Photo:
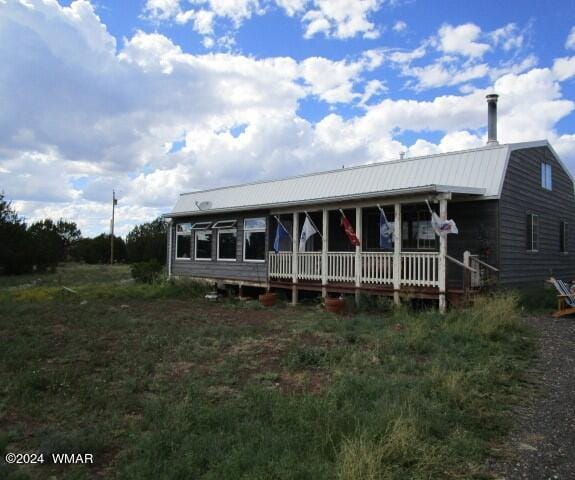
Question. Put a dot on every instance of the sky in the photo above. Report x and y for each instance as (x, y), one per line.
(155, 98)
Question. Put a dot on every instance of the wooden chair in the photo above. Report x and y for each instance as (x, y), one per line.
(565, 299)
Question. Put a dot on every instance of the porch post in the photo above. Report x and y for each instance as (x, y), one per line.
(324, 247)
(442, 259)
(295, 240)
(170, 233)
(358, 267)
(397, 223)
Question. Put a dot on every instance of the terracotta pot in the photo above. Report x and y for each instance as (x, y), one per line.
(335, 305)
(268, 299)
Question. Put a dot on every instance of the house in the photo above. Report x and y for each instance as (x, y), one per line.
(512, 204)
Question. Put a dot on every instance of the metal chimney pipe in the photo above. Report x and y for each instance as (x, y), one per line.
(492, 119)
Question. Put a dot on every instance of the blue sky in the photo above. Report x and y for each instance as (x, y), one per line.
(155, 97)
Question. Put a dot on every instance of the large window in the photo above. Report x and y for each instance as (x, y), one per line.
(546, 176)
(203, 244)
(532, 233)
(227, 245)
(563, 237)
(183, 241)
(255, 239)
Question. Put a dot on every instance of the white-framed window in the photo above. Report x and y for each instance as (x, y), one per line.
(546, 176)
(255, 239)
(183, 241)
(201, 225)
(563, 237)
(225, 224)
(227, 245)
(203, 245)
(532, 232)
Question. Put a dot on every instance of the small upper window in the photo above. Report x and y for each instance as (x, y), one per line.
(201, 225)
(546, 176)
(563, 236)
(225, 224)
(532, 233)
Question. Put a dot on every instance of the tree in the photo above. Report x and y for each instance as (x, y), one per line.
(69, 233)
(147, 241)
(16, 251)
(97, 249)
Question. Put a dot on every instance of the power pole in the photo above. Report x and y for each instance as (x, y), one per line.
(114, 203)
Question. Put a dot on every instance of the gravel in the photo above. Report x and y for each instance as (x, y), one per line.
(542, 447)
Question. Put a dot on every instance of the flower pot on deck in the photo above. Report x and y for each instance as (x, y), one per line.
(335, 305)
(268, 299)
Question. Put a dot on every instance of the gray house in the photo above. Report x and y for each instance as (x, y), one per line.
(512, 205)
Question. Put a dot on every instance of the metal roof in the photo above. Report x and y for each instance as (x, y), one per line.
(477, 171)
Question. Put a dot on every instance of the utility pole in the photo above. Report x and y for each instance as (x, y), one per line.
(114, 203)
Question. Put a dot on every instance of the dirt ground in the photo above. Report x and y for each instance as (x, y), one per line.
(543, 445)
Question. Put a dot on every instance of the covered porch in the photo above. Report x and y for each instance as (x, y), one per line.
(414, 263)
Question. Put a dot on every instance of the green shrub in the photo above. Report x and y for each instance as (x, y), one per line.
(146, 272)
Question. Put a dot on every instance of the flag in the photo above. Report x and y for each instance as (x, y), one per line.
(443, 227)
(306, 232)
(349, 231)
(280, 234)
(385, 233)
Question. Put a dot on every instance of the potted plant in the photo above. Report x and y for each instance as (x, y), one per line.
(268, 299)
(335, 305)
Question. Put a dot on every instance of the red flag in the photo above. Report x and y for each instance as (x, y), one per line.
(349, 231)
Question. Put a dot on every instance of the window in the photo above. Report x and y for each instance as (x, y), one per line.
(255, 239)
(563, 231)
(183, 241)
(225, 224)
(203, 245)
(532, 232)
(201, 225)
(227, 245)
(546, 176)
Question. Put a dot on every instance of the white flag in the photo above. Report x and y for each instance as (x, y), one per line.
(306, 232)
(443, 227)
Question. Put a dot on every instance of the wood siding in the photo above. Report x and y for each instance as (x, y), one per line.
(477, 222)
(238, 270)
(523, 194)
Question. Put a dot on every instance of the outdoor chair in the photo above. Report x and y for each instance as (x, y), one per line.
(565, 298)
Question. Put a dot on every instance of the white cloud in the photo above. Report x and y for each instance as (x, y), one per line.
(162, 9)
(564, 68)
(399, 26)
(341, 18)
(292, 7)
(461, 40)
(570, 42)
(507, 37)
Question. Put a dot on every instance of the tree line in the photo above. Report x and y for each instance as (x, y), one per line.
(41, 245)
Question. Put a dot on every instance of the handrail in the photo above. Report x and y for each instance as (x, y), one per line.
(476, 259)
(461, 264)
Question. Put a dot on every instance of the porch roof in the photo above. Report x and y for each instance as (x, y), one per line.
(477, 172)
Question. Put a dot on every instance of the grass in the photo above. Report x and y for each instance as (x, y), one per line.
(158, 383)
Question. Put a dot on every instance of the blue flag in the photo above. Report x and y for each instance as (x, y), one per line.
(280, 234)
(385, 233)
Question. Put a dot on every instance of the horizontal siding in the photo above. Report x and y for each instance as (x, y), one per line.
(238, 270)
(522, 194)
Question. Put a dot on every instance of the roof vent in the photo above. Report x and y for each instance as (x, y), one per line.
(492, 119)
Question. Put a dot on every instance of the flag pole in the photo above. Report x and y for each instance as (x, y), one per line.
(382, 212)
(313, 224)
(283, 226)
(112, 228)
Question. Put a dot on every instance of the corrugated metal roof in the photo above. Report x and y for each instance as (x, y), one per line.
(478, 171)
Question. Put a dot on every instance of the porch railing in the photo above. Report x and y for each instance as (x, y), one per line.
(417, 268)
(377, 267)
(420, 269)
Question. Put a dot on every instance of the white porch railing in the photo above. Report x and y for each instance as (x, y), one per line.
(420, 269)
(417, 268)
(341, 266)
(280, 265)
(377, 267)
(309, 265)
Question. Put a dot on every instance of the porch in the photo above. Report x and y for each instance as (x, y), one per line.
(414, 265)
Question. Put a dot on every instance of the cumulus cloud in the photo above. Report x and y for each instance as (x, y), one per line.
(399, 26)
(82, 115)
(570, 42)
(462, 40)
